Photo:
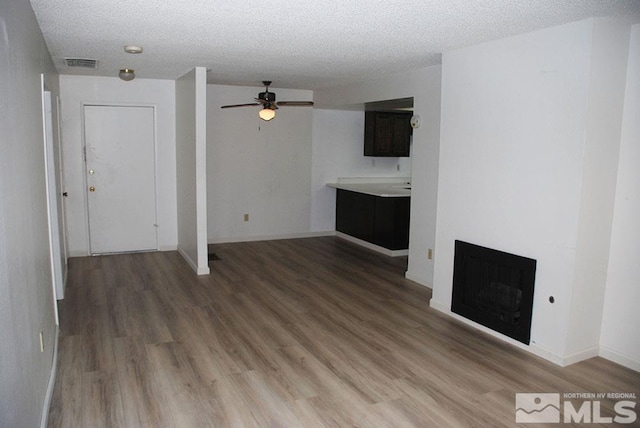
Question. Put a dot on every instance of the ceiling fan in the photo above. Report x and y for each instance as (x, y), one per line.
(268, 102)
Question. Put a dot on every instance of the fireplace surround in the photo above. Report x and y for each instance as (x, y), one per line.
(494, 288)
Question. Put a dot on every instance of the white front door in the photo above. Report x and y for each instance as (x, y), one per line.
(121, 178)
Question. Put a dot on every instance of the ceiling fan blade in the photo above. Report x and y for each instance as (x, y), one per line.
(267, 100)
(267, 104)
(295, 103)
(240, 105)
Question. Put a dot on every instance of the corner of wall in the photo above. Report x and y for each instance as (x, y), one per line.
(604, 115)
(619, 339)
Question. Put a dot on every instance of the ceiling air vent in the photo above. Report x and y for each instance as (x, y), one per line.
(81, 62)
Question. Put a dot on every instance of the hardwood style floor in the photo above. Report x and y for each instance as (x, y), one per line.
(293, 333)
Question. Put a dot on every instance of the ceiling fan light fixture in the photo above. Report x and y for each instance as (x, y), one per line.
(267, 113)
(127, 74)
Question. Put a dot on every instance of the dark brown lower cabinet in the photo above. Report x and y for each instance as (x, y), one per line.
(378, 220)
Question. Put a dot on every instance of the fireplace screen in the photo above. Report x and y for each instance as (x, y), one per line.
(494, 288)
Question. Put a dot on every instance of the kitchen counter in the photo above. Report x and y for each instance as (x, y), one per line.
(390, 188)
(374, 212)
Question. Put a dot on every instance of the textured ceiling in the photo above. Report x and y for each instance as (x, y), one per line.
(297, 44)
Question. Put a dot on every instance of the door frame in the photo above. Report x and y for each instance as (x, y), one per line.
(62, 189)
(85, 170)
(53, 198)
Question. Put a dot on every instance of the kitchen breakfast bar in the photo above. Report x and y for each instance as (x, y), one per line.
(374, 212)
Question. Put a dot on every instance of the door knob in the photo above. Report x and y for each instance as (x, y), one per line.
(92, 189)
(91, 172)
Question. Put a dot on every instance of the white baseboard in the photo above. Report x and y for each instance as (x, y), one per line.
(418, 279)
(77, 254)
(532, 348)
(168, 248)
(563, 361)
(581, 356)
(374, 247)
(440, 307)
(198, 270)
(619, 358)
(231, 239)
(44, 419)
(203, 271)
(87, 254)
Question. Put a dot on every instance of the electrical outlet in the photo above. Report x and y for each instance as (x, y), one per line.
(397, 167)
(430, 254)
(373, 162)
(246, 217)
(41, 341)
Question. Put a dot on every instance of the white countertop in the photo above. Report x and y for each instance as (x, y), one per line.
(393, 187)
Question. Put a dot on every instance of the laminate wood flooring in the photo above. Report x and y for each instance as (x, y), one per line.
(291, 333)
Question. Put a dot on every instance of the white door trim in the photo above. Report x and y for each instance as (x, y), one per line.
(62, 193)
(51, 193)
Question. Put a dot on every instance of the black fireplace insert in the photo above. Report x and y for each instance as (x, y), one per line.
(494, 288)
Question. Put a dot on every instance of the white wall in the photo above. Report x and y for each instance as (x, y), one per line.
(338, 151)
(424, 176)
(277, 171)
(76, 90)
(191, 168)
(511, 161)
(607, 81)
(258, 168)
(524, 168)
(424, 86)
(619, 339)
(27, 304)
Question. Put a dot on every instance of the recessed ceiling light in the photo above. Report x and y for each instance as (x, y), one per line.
(133, 49)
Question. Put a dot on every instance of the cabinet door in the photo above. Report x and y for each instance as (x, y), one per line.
(355, 214)
(378, 134)
(384, 134)
(387, 134)
(401, 134)
(392, 223)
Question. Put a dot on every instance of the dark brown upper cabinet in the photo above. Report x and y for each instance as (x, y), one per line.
(387, 133)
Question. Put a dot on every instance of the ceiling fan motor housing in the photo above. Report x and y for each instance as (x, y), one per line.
(267, 96)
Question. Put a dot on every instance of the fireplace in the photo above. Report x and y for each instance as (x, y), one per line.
(494, 288)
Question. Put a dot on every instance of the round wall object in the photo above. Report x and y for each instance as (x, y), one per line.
(415, 121)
